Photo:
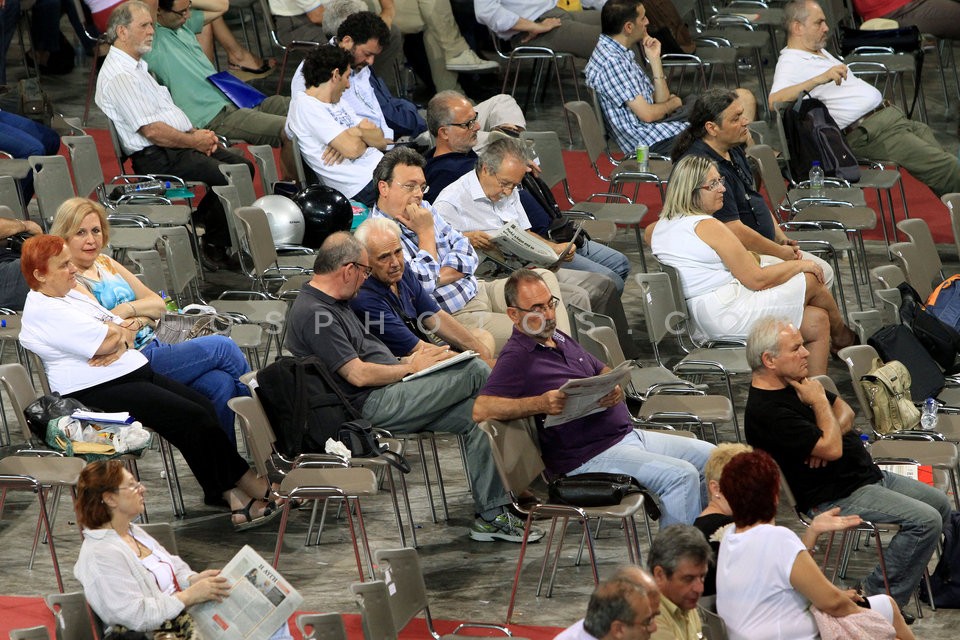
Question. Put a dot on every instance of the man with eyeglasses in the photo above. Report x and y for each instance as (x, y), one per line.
(321, 323)
(678, 560)
(538, 360)
(625, 607)
(340, 147)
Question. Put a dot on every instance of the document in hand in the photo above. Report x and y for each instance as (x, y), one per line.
(260, 601)
(514, 242)
(584, 394)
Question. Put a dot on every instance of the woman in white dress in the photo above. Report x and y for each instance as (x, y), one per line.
(728, 288)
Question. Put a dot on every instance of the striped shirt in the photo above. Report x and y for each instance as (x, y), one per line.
(130, 97)
(614, 73)
(454, 251)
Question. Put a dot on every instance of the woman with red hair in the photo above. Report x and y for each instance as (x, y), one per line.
(778, 605)
(86, 353)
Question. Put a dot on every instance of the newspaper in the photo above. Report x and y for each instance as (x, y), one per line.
(516, 243)
(260, 601)
(584, 394)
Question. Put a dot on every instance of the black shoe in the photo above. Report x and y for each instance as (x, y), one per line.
(909, 619)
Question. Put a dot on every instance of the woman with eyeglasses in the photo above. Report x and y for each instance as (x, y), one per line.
(129, 579)
(87, 355)
(728, 288)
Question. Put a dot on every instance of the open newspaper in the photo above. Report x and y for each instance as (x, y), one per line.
(584, 394)
(516, 243)
(260, 601)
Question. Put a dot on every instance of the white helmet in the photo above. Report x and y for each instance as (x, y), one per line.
(284, 217)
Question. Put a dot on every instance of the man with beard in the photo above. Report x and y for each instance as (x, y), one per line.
(536, 361)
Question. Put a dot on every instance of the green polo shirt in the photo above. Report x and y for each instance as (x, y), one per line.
(179, 64)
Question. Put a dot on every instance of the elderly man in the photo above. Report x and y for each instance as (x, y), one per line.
(625, 606)
(873, 127)
(679, 559)
(526, 381)
(637, 110)
(809, 432)
(394, 305)
(156, 134)
(441, 258)
(341, 147)
(179, 63)
(321, 323)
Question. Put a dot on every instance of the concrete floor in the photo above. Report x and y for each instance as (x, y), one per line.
(465, 579)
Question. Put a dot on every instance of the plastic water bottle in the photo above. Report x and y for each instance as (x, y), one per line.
(865, 439)
(928, 419)
(816, 179)
(170, 303)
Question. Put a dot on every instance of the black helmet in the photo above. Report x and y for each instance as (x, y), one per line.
(325, 211)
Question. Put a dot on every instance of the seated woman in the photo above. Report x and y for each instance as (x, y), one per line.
(717, 518)
(766, 578)
(728, 288)
(87, 354)
(128, 578)
(211, 365)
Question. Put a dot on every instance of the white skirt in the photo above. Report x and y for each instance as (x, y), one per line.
(729, 312)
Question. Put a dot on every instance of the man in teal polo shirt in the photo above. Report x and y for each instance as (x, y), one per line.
(179, 63)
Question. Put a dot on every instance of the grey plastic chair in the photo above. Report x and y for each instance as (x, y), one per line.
(31, 633)
(713, 625)
(163, 533)
(266, 165)
(321, 626)
(74, 618)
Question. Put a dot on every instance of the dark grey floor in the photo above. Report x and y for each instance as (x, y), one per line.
(466, 580)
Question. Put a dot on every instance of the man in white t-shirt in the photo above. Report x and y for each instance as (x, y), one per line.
(339, 146)
(873, 127)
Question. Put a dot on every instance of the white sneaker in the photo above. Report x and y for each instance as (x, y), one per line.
(469, 61)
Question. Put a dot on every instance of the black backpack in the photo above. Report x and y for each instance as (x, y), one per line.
(897, 342)
(945, 579)
(940, 340)
(812, 134)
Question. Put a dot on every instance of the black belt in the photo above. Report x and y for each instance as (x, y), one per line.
(859, 121)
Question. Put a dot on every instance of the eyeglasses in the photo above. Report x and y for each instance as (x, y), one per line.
(469, 124)
(541, 308)
(182, 12)
(410, 187)
(714, 185)
(132, 488)
(506, 185)
(365, 268)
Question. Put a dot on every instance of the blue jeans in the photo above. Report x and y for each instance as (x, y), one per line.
(211, 365)
(670, 466)
(598, 258)
(22, 137)
(919, 509)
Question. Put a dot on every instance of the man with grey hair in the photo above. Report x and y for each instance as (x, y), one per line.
(679, 559)
(625, 606)
(154, 132)
(872, 126)
(320, 323)
(394, 306)
(809, 432)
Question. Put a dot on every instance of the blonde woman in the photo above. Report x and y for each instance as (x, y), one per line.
(727, 288)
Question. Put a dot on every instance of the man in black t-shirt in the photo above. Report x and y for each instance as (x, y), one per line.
(808, 431)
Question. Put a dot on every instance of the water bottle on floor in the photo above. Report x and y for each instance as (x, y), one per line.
(928, 419)
(816, 180)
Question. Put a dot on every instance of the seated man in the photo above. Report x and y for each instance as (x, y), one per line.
(394, 306)
(540, 24)
(328, 131)
(13, 286)
(873, 127)
(441, 258)
(156, 134)
(718, 130)
(678, 560)
(808, 431)
(179, 63)
(636, 110)
(321, 323)
(536, 362)
(625, 606)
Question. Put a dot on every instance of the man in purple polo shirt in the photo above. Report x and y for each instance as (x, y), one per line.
(536, 361)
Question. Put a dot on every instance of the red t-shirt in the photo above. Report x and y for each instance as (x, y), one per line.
(869, 9)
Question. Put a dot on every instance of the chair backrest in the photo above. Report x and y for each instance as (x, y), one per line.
(373, 600)
(16, 380)
(258, 239)
(515, 452)
(51, 179)
(859, 361)
(74, 620)
(87, 172)
(321, 626)
(266, 164)
(31, 633)
(305, 174)
(258, 433)
(400, 569)
(180, 263)
(163, 533)
(952, 202)
(10, 195)
(887, 276)
(917, 230)
(546, 145)
(607, 339)
(150, 268)
(238, 175)
(117, 147)
(230, 201)
(770, 173)
(660, 310)
(713, 624)
(590, 130)
(919, 271)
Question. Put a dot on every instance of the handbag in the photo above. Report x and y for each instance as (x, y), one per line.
(41, 411)
(180, 628)
(175, 328)
(363, 442)
(887, 390)
(593, 489)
